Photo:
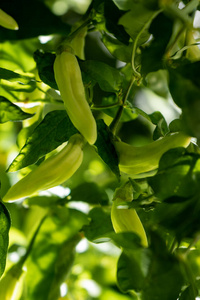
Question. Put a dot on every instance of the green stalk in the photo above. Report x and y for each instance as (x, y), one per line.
(66, 43)
(30, 246)
(114, 124)
(104, 106)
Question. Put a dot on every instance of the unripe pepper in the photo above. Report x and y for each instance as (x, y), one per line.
(125, 219)
(137, 160)
(7, 21)
(53, 171)
(69, 80)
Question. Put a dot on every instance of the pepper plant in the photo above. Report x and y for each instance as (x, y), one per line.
(99, 150)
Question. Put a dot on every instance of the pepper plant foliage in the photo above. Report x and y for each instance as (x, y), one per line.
(141, 78)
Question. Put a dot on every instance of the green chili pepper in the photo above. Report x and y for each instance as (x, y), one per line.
(125, 219)
(137, 160)
(53, 171)
(69, 80)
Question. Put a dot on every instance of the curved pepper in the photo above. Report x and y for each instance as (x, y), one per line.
(137, 160)
(69, 80)
(53, 171)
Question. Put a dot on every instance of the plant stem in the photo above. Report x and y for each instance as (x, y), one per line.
(104, 106)
(23, 259)
(70, 37)
(114, 124)
(74, 33)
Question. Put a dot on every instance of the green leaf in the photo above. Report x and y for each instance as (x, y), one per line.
(161, 125)
(183, 221)
(35, 19)
(55, 129)
(105, 148)
(157, 47)
(52, 254)
(17, 82)
(158, 83)
(125, 240)
(117, 49)
(153, 272)
(112, 15)
(5, 223)
(136, 21)
(132, 269)
(185, 91)
(176, 173)
(13, 76)
(45, 61)
(108, 78)
(179, 173)
(89, 192)
(11, 112)
(100, 224)
(18, 56)
(157, 119)
(165, 276)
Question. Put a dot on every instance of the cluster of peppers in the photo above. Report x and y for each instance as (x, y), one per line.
(58, 168)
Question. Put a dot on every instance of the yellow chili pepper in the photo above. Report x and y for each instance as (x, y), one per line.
(53, 171)
(125, 219)
(137, 160)
(69, 80)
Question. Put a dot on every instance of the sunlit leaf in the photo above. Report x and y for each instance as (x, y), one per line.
(55, 129)
(11, 112)
(136, 21)
(4, 239)
(18, 56)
